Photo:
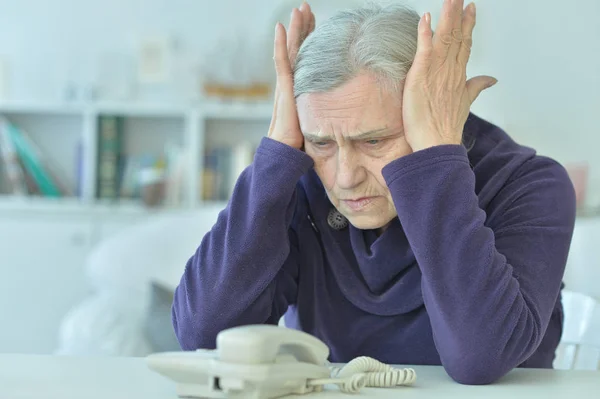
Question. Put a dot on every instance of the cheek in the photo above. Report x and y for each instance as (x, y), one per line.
(325, 167)
(401, 148)
(374, 167)
(398, 148)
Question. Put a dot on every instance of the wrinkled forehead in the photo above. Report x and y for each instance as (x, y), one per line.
(360, 106)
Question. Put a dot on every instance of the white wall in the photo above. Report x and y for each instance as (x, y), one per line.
(545, 53)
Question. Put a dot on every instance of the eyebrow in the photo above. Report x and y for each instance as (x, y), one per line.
(362, 136)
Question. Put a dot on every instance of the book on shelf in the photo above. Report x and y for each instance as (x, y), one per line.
(110, 137)
(222, 168)
(28, 171)
(12, 166)
(156, 178)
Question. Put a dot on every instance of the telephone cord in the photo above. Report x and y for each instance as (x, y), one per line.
(376, 373)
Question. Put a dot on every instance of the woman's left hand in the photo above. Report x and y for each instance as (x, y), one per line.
(437, 97)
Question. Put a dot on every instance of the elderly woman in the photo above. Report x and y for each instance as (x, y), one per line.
(380, 215)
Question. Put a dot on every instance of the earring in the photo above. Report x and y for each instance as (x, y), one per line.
(336, 220)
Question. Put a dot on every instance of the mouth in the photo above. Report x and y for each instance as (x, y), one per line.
(358, 204)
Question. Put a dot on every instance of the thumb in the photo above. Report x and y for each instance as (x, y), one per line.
(478, 84)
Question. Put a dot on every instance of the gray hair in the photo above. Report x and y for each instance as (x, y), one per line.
(376, 39)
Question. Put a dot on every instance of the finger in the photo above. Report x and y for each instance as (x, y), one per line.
(294, 37)
(456, 33)
(424, 43)
(304, 9)
(276, 94)
(283, 66)
(274, 115)
(450, 19)
(468, 24)
(478, 84)
(311, 26)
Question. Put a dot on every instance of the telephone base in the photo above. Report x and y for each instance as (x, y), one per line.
(202, 374)
(197, 391)
(268, 362)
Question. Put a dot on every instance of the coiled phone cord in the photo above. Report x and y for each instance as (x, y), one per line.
(365, 371)
(351, 384)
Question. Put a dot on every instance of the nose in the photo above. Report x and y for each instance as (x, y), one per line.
(349, 171)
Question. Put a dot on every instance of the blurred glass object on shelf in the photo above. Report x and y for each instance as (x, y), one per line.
(578, 172)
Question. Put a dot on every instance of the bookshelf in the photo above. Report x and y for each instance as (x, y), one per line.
(180, 136)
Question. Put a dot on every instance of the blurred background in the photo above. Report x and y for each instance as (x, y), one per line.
(125, 123)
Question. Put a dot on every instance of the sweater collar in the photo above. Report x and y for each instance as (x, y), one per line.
(377, 274)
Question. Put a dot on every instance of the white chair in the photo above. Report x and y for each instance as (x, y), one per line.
(111, 321)
(582, 273)
(579, 348)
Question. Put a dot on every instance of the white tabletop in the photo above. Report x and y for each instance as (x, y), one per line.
(51, 377)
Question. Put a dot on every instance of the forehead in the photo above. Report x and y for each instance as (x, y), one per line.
(358, 106)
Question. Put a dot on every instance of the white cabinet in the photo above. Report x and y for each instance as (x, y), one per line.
(45, 242)
(43, 255)
(105, 228)
(41, 277)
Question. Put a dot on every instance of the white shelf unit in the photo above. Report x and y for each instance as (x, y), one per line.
(58, 129)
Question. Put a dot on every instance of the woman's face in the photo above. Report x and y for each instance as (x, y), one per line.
(351, 133)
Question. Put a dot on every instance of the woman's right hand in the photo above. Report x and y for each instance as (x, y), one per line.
(285, 126)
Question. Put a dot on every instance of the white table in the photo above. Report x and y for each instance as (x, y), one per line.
(51, 377)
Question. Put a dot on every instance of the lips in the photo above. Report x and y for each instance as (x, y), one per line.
(359, 203)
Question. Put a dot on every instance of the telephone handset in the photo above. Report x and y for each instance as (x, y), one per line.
(262, 343)
(266, 361)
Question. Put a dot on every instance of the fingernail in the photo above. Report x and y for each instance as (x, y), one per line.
(493, 81)
(428, 17)
(473, 9)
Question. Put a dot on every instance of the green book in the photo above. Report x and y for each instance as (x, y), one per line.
(110, 132)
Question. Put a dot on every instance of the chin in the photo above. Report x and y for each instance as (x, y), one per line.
(369, 222)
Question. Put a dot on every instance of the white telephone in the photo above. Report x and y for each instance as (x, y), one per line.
(265, 361)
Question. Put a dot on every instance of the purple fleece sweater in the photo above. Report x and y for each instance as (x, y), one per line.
(468, 276)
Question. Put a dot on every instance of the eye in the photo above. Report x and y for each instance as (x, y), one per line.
(322, 146)
(373, 142)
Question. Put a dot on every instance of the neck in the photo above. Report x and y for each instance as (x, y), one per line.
(380, 230)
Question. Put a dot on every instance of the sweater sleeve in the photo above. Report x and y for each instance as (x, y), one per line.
(245, 268)
(489, 293)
